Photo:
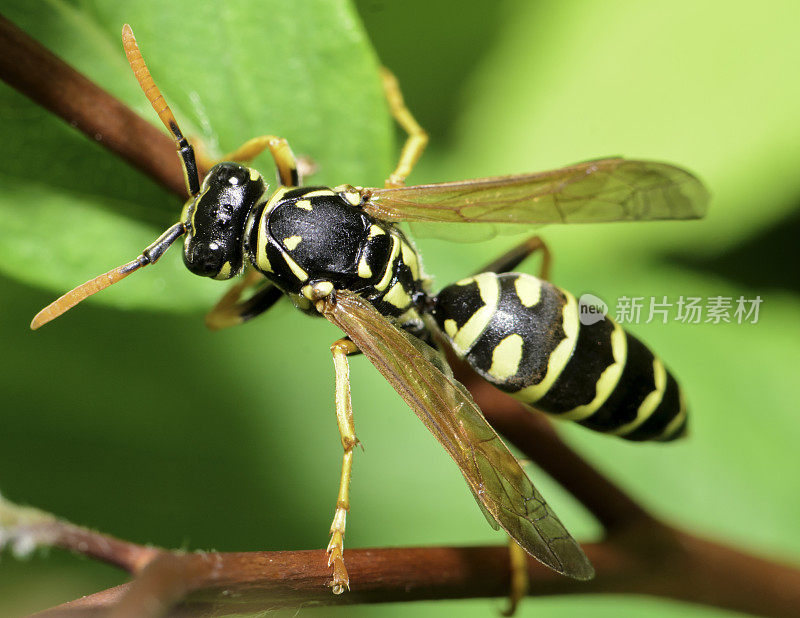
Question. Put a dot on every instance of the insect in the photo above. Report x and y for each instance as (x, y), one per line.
(338, 253)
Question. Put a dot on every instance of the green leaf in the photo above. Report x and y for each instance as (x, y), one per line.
(230, 72)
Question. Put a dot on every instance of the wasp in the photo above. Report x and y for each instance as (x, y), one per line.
(339, 253)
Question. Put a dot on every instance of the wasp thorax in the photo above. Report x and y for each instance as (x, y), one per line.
(215, 221)
(309, 234)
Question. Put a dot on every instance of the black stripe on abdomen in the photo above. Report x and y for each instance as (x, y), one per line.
(645, 404)
(578, 383)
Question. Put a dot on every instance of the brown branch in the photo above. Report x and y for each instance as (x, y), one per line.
(47, 80)
(641, 554)
(692, 569)
(24, 528)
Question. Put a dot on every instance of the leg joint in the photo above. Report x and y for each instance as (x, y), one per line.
(349, 442)
(343, 346)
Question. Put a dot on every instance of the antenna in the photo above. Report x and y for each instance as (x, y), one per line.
(161, 108)
(155, 250)
(73, 297)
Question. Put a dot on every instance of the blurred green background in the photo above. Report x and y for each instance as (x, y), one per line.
(128, 416)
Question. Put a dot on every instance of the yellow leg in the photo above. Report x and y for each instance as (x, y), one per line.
(417, 137)
(519, 576)
(278, 147)
(232, 311)
(344, 416)
(280, 151)
(510, 260)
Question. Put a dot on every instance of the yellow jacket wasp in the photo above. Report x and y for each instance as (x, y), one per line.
(337, 252)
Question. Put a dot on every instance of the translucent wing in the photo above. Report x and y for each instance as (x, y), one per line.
(445, 407)
(603, 190)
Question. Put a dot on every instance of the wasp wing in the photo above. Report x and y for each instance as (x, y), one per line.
(496, 479)
(612, 189)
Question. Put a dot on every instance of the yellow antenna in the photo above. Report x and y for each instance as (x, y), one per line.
(153, 94)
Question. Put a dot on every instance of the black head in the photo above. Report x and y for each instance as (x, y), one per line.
(215, 220)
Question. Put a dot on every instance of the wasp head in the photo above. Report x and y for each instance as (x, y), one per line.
(215, 220)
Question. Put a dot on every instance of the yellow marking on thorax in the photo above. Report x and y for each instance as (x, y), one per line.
(364, 271)
(397, 296)
(375, 230)
(410, 259)
(450, 327)
(291, 242)
(304, 204)
(261, 248)
(318, 193)
(295, 267)
(263, 235)
(387, 275)
(607, 381)
(506, 357)
(559, 357)
(254, 175)
(650, 403)
(467, 335)
(350, 193)
(274, 199)
(529, 290)
(264, 263)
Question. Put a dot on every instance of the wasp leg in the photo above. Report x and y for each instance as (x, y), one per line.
(510, 260)
(519, 576)
(231, 311)
(279, 148)
(417, 137)
(285, 163)
(344, 416)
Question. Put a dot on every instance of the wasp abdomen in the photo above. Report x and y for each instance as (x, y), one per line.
(524, 335)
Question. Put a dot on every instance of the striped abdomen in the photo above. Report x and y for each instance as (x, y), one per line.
(524, 335)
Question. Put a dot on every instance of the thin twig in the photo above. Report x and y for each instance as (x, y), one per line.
(25, 528)
(662, 562)
(242, 583)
